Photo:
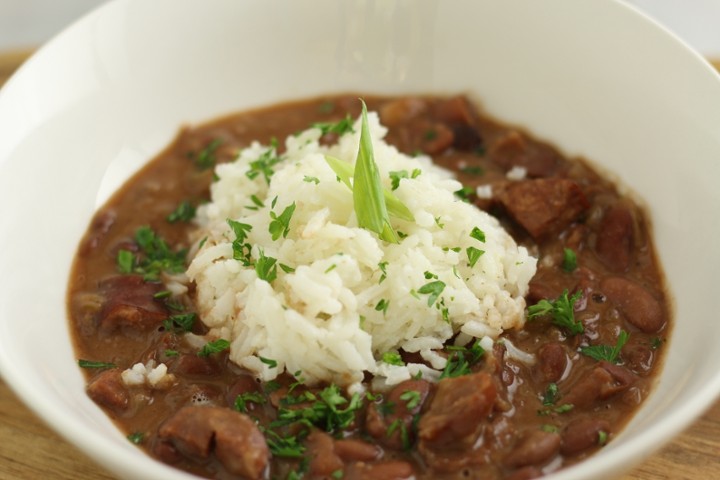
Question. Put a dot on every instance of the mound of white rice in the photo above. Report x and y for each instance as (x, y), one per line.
(342, 298)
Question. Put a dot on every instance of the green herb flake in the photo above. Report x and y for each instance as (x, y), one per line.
(340, 127)
(216, 346)
(473, 170)
(382, 266)
(656, 343)
(309, 179)
(569, 262)
(328, 409)
(337, 474)
(207, 158)
(156, 257)
(93, 364)
(461, 359)
(551, 395)
(464, 193)
(280, 224)
(602, 437)
(284, 447)
(269, 362)
(180, 323)
(606, 352)
(265, 163)
(125, 261)
(184, 212)
(243, 399)
(433, 289)
(171, 353)
(412, 398)
(162, 294)
(564, 408)
(136, 438)
(474, 255)
(266, 267)
(393, 358)
(429, 275)
(286, 268)
(396, 176)
(546, 427)
(560, 310)
(382, 305)
(477, 234)
(330, 268)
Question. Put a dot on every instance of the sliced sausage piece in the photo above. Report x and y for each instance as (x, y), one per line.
(543, 206)
(129, 303)
(401, 111)
(402, 404)
(638, 306)
(614, 244)
(195, 432)
(458, 411)
(356, 450)
(108, 390)
(581, 434)
(535, 448)
(514, 150)
(604, 381)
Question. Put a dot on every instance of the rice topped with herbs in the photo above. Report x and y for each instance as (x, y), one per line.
(298, 281)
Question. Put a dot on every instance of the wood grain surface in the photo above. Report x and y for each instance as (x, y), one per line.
(29, 450)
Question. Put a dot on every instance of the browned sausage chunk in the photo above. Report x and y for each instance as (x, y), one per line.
(456, 417)
(386, 470)
(237, 442)
(514, 150)
(543, 206)
(583, 433)
(604, 381)
(637, 305)
(614, 243)
(394, 429)
(535, 448)
(129, 303)
(107, 389)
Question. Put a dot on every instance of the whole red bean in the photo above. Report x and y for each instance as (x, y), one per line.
(534, 448)
(581, 434)
(639, 307)
(552, 361)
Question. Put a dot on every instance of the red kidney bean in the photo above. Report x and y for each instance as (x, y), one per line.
(638, 306)
(581, 434)
(552, 361)
(535, 448)
(614, 243)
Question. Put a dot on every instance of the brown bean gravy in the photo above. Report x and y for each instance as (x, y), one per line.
(598, 327)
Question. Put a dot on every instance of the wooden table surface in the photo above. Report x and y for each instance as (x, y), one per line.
(30, 451)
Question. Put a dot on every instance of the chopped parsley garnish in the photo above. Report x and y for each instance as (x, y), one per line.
(461, 359)
(551, 395)
(429, 275)
(216, 346)
(656, 343)
(337, 474)
(564, 408)
(546, 427)
(257, 203)
(477, 234)
(280, 224)
(269, 362)
(286, 447)
(398, 175)
(382, 305)
(171, 353)
(179, 323)
(340, 127)
(411, 397)
(473, 170)
(393, 358)
(383, 266)
(263, 165)
(93, 364)
(560, 311)
(331, 268)
(569, 262)
(162, 294)
(464, 193)
(398, 424)
(474, 255)
(606, 352)
(241, 248)
(433, 289)
(243, 399)
(157, 257)
(206, 158)
(602, 437)
(136, 437)
(309, 179)
(325, 410)
(184, 212)
(266, 268)
(286, 268)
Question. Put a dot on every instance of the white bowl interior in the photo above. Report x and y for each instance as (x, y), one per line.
(596, 78)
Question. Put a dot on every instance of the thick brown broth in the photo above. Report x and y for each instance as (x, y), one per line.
(510, 428)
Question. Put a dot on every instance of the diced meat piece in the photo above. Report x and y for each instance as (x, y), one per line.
(466, 138)
(455, 111)
(108, 390)
(534, 448)
(321, 451)
(552, 361)
(129, 303)
(196, 432)
(614, 244)
(458, 411)
(356, 450)
(582, 434)
(543, 206)
(192, 364)
(639, 307)
(402, 110)
(437, 138)
(604, 381)
(385, 470)
(403, 403)
(515, 150)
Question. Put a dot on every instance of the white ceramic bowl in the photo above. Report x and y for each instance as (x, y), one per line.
(594, 77)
